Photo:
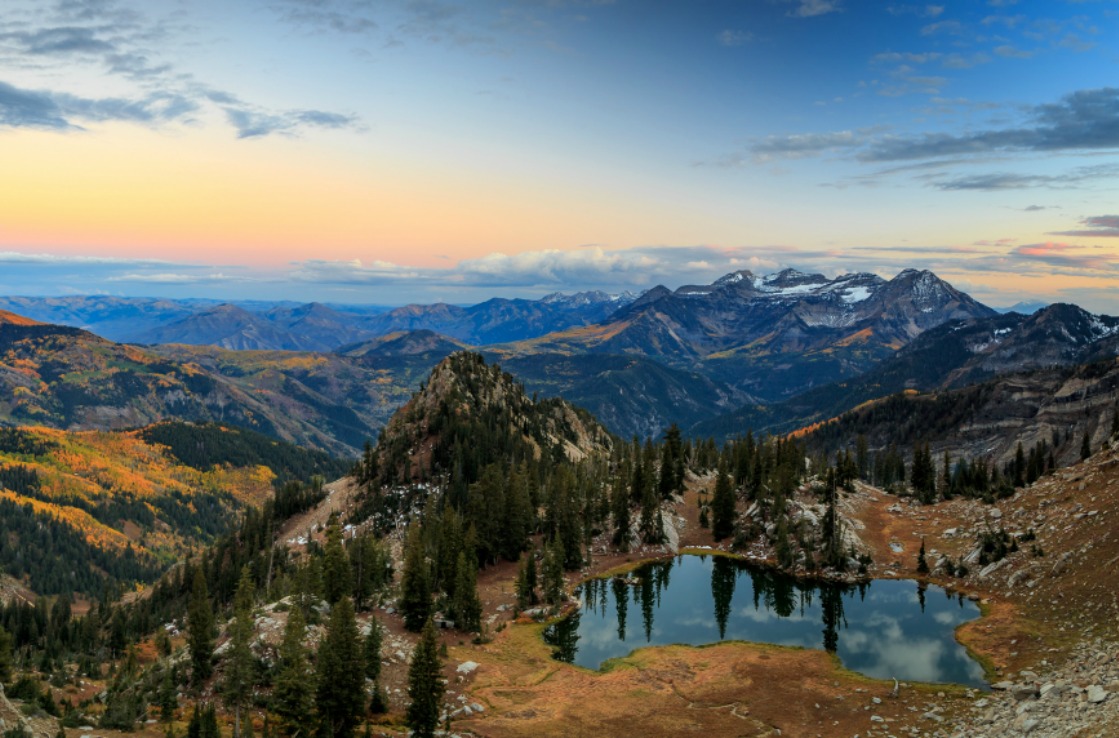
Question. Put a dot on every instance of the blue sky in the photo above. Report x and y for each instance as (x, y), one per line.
(420, 150)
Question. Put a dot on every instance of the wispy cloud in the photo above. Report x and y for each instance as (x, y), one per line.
(61, 111)
(1067, 255)
(1008, 181)
(734, 37)
(1096, 226)
(1083, 121)
(123, 45)
(813, 8)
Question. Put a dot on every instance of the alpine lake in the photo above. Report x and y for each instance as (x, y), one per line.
(886, 628)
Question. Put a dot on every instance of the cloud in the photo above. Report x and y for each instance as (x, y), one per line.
(1007, 181)
(800, 145)
(20, 257)
(123, 44)
(1062, 255)
(589, 268)
(168, 278)
(21, 108)
(812, 8)
(325, 15)
(254, 123)
(1096, 226)
(734, 37)
(62, 40)
(1082, 121)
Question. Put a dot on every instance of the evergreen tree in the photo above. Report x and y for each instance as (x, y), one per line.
(415, 583)
(5, 656)
(293, 696)
(425, 685)
(337, 582)
(1085, 447)
(830, 527)
(722, 507)
(466, 608)
(168, 699)
(340, 698)
(620, 510)
(862, 457)
(200, 630)
(553, 573)
(526, 581)
(238, 677)
(372, 649)
(922, 564)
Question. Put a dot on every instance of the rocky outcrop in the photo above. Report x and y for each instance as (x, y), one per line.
(37, 725)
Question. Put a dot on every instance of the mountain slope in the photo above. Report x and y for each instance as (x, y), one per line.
(68, 378)
(469, 414)
(500, 320)
(97, 508)
(989, 419)
(630, 395)
(953, 355)
(227, 326)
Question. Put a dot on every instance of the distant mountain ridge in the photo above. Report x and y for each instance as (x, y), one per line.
(770, 352)
(953, 355)
(312, 326)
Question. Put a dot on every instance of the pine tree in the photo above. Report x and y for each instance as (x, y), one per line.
(372, 650)
(553, 573)
(830, 527)
(5, 656)
(340, 698)
(237, 680)
(415, 583)
(620, 510)
(526, 581)
(293, 696)
(722, 507)
(922, 564)
(425, 685)
(336, 574)
(200, 631)
(466, 607)
(168, 699)
(1085, 447)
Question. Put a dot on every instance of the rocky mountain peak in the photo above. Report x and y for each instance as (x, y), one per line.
(742, 276)
(792, 278)
(468, 407)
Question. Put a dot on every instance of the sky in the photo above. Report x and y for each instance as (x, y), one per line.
(399, 151)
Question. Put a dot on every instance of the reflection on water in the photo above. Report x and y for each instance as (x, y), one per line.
(888, 628)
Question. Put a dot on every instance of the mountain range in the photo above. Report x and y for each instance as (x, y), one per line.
(769, 353)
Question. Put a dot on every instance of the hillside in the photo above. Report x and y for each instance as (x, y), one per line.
(68, 378)
(100, 508)
(1054, 407)
(953, 355)
(469, 414)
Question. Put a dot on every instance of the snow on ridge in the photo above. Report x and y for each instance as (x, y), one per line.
(853, 295)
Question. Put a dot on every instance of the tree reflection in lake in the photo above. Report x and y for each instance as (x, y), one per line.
(884, 629)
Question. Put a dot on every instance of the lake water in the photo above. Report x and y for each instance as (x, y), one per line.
(884, 629)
